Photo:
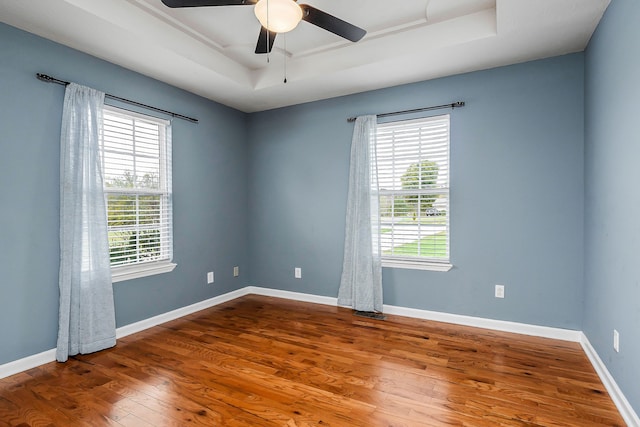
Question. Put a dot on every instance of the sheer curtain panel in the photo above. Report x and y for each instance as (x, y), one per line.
(361, 282)
(87, 314)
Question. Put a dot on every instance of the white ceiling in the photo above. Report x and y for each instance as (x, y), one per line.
(209, 50)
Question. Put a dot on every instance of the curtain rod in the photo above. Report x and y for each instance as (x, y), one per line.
(49, 79)
(453, 105)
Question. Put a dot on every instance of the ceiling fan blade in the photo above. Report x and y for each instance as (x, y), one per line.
(331, 23)
(261, 46)
(199, 3)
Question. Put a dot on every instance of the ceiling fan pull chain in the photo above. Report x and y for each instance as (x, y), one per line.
(285, 57)
(268, 34)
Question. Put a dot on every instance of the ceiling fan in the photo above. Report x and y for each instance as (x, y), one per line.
(281, 16)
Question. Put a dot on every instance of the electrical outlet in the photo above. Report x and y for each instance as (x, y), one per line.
(297, 273)
(499, 291)
(210, 277)
(616, 341)
(236, 271)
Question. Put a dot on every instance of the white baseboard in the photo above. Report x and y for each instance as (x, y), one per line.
(48, 356)
(628, 414)
(27, 363)
(178, 313)
(623, 405)
(479, 322)
(296, 296)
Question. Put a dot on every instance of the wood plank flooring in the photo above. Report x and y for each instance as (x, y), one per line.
(260, 361)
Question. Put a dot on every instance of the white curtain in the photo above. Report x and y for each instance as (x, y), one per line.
(87, 314)
(361, 282)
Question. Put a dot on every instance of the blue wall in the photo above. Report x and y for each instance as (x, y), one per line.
(209, 184)
(516, 193)
(612, 194)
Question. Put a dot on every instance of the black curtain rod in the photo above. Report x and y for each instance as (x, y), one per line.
(417, 110)
(49, 79)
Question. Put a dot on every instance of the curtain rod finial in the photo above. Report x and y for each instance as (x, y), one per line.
(43, 77)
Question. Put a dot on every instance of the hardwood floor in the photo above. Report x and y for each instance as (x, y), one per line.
(260, 361)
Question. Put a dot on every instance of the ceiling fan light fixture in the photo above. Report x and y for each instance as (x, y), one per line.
(278, 16)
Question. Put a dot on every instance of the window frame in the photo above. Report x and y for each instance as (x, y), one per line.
(417, 262)
(146, 268)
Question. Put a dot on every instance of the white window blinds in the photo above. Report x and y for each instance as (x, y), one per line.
(413, 174)
(136, 156)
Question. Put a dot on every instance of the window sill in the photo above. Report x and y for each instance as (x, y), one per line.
(128, 272)
(417, 265)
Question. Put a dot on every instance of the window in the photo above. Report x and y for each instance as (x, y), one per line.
(413, 174)
(136, 161)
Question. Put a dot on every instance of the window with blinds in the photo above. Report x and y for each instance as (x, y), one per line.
(136, 160)
(413, 177)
